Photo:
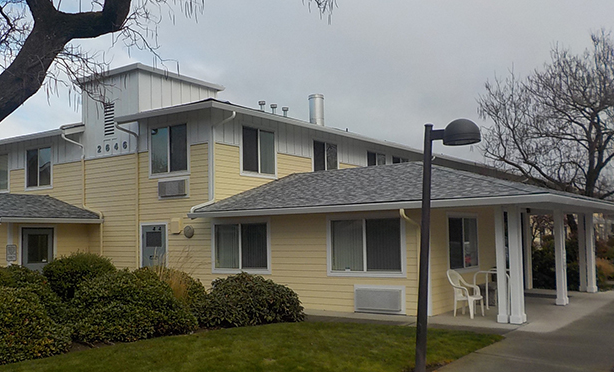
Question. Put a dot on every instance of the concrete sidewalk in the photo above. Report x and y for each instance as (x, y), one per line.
(576, 337)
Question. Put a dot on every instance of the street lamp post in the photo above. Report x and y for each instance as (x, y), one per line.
(458, 132)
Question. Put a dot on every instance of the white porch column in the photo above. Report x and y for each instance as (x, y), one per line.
(582, 254)
(514, 235)
(502, 296)
(528, 251)
(560, 258)
(9, 240)
(591, 269)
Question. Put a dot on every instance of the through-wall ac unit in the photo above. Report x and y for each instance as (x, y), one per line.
(379, 299)
(172, 188)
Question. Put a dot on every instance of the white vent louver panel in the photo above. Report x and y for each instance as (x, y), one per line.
(109, 119)
(172, 188)
(388, 300)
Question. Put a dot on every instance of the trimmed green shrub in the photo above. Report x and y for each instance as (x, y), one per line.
(186, 289)
(66, 273)
(26, 331)
(246, 300)
(16, 276)
(126, 306)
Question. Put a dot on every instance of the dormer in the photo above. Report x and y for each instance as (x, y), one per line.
(129, 90)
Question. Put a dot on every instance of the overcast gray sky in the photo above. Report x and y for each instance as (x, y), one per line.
(385, 67)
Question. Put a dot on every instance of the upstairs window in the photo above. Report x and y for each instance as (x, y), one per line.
(374, 158)
(324, 156)
(169, 149)
(258, 151)
(4, 172)
(396, 160)
(38, 167)
(463, 242)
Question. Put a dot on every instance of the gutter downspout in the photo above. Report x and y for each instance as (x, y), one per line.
(137, 183)
(211, 164)
(83, 196)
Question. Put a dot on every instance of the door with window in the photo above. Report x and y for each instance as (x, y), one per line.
(153, 245)
(37, 247)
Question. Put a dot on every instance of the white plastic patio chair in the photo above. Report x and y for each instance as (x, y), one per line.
(461, 292)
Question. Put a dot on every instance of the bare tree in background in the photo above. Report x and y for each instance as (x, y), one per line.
(556, 126)
(36, 38)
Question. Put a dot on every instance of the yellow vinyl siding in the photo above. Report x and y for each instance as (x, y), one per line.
(66, 183)
(441, 291)
(70, 238)
(347, 166)
(229, 180)
(111, 190)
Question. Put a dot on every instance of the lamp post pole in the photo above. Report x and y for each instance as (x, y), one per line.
(425, 227)
(459, 132)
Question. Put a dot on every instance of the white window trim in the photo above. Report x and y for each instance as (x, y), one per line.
(149, 150)
(8, 175)
(21, 247)
(376, 153)
(365, 273)
(275, 150)
(313, 157)
(216, 222)
(477, 226)
(143, 224)
(25, 167)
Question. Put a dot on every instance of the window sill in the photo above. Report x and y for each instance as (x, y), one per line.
(177, 174)
(258, 175)
(238, 271)
(34, 188)
(368, 274)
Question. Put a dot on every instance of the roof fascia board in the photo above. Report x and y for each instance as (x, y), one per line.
(562, 202)
(32, 136)
(160, 72)
(52, 220)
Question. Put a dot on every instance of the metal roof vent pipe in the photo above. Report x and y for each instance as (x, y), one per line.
(273, 107)
(316, 109)
(285, 110)
(262, 103)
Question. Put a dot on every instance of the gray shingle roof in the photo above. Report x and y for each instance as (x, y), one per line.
(373, 185)
(40, 206)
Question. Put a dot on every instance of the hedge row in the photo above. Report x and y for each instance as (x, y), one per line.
(84, 298)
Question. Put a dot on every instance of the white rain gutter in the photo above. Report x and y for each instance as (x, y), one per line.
(211, 172)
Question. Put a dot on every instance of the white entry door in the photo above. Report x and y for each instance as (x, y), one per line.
(153, 245)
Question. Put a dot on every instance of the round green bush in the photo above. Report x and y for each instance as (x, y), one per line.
(66, 273)
(26, 331)
(245, 300)
(186, 289)
(126, 306)
(16, 276)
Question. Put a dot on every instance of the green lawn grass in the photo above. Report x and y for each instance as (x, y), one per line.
(276, 347)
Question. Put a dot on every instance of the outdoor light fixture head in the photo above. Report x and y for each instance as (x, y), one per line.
(461, 132)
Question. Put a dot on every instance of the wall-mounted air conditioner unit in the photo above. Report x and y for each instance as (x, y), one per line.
(172, 188)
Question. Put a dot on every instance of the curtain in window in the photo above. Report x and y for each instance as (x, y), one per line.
(318, 156)
(159, 150)
(32, 168)
(455, 230)
(383, 245)
(179, 148)
(267, 152)
(347, 245)
(44, 166)
(331, 156)
(4, 172)
(250, 149)
(471, 241)
(254, 246)
(227, 246)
